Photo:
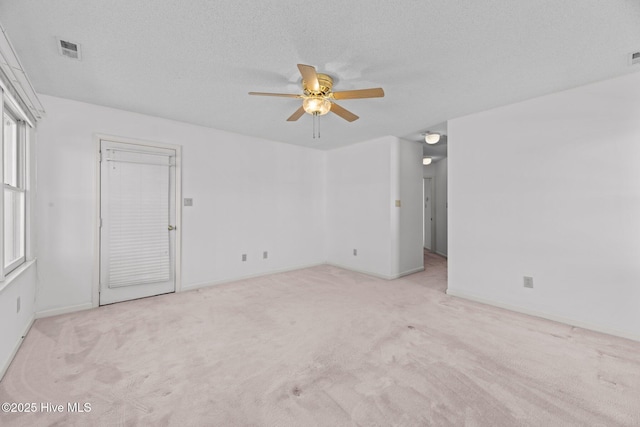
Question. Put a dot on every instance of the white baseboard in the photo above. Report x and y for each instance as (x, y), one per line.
(544, 315)
(300, 267)
(441, 254)
(7, 363)
(408, 272)
(378, 275)
(63, 310)
(369, 273)
(248, 276)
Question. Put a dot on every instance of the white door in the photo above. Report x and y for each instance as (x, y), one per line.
(428, 214)
(137, 215)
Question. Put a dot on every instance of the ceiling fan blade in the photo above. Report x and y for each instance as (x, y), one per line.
(295, 116)
(345, 114)
(309, 77)
(360, 93)
(284, 95)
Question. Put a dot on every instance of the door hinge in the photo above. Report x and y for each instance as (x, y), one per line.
(100, 226)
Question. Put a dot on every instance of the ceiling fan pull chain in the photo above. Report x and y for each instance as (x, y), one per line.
(316, 119)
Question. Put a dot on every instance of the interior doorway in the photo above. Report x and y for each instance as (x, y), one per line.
(138, 218)
(429, 213)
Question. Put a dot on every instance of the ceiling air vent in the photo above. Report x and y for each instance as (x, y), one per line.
(634, 58)
(69, 49)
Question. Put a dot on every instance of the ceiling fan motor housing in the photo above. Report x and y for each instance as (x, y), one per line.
(325, 84)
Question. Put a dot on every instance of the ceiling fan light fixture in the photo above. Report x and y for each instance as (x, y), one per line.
(426, 160)
(317, 105)
(432, 138)
(318, 96)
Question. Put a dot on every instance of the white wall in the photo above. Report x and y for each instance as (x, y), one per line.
(21, 283)
(442, 214)
(363, 182)
(359, 206)
(550, 188)
(250, 195)
(438, 172)
(411, 257)
(13, 324)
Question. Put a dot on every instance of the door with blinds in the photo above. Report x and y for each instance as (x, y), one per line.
(137, 221)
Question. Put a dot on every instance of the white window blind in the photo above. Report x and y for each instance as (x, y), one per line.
(137, 217)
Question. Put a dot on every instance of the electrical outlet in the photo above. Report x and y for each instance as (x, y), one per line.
(244, 257)
(355, 252)
(188, 202)
(265, 255)
(18, 305)
(528, 282)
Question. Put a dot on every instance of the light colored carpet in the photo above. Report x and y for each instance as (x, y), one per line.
(322, 346)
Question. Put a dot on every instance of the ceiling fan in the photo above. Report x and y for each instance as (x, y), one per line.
(318, 97)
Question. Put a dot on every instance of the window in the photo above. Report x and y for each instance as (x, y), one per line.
(13, 156)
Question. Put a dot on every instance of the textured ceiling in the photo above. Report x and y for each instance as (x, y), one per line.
(195, 60)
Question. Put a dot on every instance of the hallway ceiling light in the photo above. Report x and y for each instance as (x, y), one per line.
(426, 160)
(432, 138)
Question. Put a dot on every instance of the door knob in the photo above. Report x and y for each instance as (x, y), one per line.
(171, 228)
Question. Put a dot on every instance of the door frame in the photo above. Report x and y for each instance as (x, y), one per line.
(97, 138)
(433, 210)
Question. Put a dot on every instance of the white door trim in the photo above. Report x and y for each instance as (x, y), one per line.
(97, 138)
